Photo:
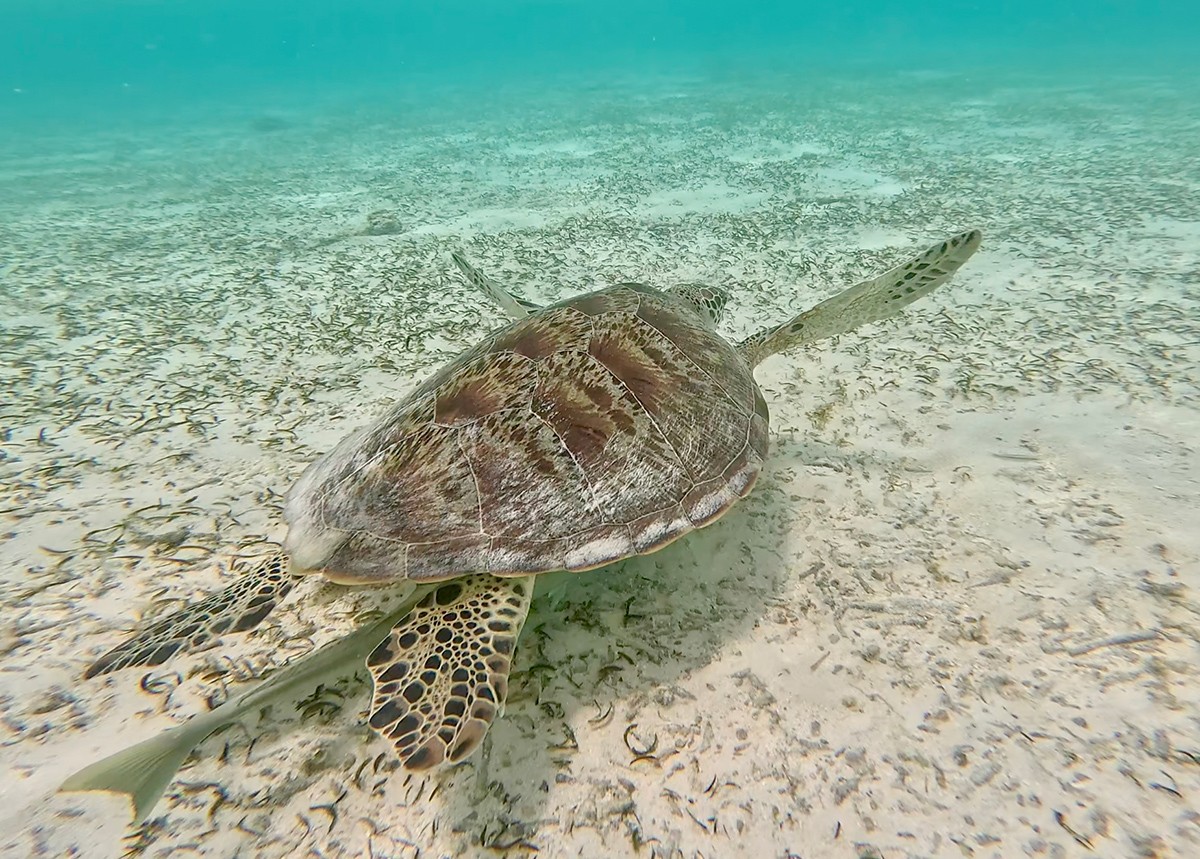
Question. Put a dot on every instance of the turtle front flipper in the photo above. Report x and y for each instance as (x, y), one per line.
(237, 608)
(514, 306)
(871, 300)
(441, 676)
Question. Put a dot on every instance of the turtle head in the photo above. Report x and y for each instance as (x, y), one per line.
(708, 301)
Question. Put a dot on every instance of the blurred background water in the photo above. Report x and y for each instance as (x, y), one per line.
(63, 58)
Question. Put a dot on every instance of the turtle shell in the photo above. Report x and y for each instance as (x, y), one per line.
(604, 426)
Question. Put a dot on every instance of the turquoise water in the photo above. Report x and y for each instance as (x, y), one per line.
(167, 54)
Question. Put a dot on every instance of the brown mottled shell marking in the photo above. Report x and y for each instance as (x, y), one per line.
(601, 427)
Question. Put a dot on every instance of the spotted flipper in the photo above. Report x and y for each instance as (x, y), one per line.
(143, 771)
(237, 608)
(514, 306)
(871, 300)
(441, 676)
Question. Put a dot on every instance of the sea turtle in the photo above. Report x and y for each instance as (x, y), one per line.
(600, 427)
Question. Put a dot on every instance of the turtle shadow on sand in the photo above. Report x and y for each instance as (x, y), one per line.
(599, 676)
(617, 645)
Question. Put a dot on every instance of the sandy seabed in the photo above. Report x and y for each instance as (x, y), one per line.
(957, 617)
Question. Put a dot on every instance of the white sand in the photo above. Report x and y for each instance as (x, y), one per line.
(958, 616)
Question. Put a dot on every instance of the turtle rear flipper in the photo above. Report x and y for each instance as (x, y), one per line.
(441, 676)
(238, 608)
(871, 300)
